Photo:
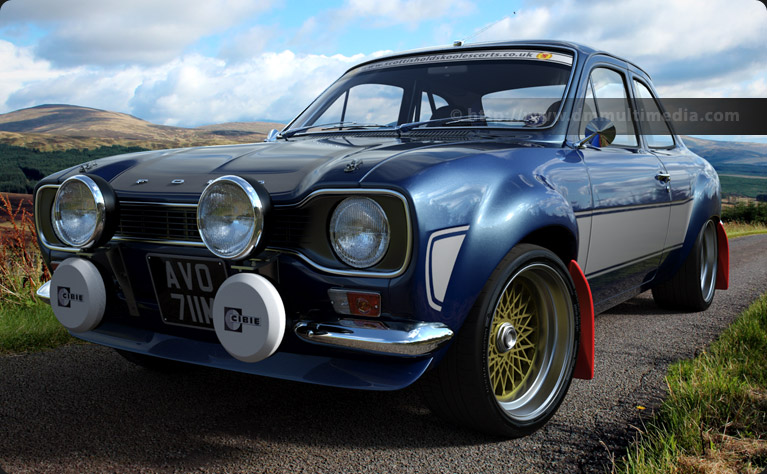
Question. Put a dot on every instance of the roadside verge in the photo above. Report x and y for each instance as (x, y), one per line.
(714, 418)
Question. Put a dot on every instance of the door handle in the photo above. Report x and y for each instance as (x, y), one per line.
(663, 177)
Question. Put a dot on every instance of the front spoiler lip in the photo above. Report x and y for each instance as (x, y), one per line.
(404, 339)
(337, 370)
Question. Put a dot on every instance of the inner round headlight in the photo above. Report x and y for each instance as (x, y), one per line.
(359, 232)
(79, 212)
(230, 217)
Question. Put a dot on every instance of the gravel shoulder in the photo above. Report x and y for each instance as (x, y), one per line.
(82, 408)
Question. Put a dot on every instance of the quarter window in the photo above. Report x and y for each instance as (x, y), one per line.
(654, 126)
(607, 98)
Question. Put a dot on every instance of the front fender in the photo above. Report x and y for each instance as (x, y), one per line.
(470, 222)
(489, 239)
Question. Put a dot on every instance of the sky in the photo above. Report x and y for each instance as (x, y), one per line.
(197, 62)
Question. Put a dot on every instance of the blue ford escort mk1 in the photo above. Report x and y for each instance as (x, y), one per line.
(456, 215)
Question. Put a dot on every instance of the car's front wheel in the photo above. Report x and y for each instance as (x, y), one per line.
(511, 364)
(692, 287)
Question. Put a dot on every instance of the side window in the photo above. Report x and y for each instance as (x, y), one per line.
(654, 126)
(524, 103)
(429, 103)
(610, 101)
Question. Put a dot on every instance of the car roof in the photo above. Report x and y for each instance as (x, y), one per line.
(582, 49)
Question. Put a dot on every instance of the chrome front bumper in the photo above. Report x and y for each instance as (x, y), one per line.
(409, 339)
(44, 292)
(404, 339)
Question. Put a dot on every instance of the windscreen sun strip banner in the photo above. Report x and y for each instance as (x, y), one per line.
(479, 55)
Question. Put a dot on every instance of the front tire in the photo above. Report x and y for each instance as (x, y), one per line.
(511, 364)
(692, 287)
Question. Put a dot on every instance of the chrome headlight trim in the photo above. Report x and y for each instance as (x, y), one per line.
(257, 207)
(100, 208)
(380, 244)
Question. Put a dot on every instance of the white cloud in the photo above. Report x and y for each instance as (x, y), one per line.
(20, 66)
(194, 90)
(135, 56)
(110, 32)
(706, 43)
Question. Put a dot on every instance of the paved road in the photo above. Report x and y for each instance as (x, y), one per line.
(84, 409)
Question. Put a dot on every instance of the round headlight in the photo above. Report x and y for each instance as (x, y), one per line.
(359, 232)
(230, 216)
(79, 212)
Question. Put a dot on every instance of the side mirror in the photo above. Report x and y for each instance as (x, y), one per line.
(600, 132)
(272, 135)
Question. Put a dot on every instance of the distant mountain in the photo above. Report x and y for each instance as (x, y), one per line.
(242, 127)
(59, 127)
(731, 157)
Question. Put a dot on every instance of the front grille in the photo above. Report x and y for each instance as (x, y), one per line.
(158, 222)
(148, 221)
(288, 227)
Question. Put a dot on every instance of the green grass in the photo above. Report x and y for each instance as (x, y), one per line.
(715, 416)
(741, 229)
(26, 328)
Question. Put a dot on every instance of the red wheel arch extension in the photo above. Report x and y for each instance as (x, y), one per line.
(723, 259)
(584, 362)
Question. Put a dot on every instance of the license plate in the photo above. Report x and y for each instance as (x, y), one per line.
(185, 288)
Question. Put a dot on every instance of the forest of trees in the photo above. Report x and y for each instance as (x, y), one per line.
(21, 168)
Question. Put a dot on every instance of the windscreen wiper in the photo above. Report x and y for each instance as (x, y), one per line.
(406, 127)
(333, 126)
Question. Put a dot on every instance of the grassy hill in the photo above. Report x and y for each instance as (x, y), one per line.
(64, 127)
(39, 140)
(742, 167)
(733, 158)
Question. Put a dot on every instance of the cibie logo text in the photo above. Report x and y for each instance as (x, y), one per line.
(66, 297)
(234, 320)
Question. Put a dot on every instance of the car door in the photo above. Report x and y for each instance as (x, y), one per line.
(658, 138)
(630, 211)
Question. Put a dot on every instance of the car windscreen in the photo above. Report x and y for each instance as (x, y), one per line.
(491, 90)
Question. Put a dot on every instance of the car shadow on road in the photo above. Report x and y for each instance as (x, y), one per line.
(642, 304)
(86, 401)
(95, 403)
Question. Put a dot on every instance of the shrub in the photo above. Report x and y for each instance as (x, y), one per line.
(746, 213)
(21, 266)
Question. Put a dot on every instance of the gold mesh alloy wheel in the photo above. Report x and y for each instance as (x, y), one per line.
(509, 369)
(531, 341)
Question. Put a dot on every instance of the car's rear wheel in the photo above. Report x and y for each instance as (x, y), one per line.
(511, 364)
(692, 287)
